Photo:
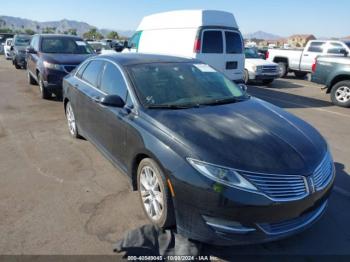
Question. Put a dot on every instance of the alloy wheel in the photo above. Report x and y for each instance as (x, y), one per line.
(151, 193)
(342, 94)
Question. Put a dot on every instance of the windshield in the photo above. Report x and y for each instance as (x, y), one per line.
(182, 84)
(251, 53)
(22, 41)
(347, 43)
(65, 46)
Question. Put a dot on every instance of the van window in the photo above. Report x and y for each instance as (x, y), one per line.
(336, 48)
(212, 42)
(135, 39)
(316, 47)
(234, 43)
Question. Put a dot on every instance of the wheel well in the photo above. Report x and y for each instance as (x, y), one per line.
(281, 59)
(135, 164)
(65, 103)
(336, 80)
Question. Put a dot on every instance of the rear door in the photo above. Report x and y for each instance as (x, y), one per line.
(223, 50)
(312, 50)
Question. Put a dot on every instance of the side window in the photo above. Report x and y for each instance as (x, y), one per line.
(92, 71)
(112, 82)
(212, 42)
(135, 39)
(234, 44)
(336, 48)
(316, 47)
(81, 70)
(32, 42)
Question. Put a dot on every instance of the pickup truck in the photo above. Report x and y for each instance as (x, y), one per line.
(334, 73)
(300, 61)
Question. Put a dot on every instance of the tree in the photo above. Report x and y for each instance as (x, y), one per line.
(29, 31)
(49, 30)
(93, 34)
(6, 30)
(113, 35)
(72, 31)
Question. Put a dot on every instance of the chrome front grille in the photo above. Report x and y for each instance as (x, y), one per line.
(270, 69)
(280, 187)
(293, 224)
(323, 173)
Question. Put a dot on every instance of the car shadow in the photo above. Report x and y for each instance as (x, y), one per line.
(286, 100)
(330, 236)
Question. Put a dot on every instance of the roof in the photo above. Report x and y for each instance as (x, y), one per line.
(125, 59)
(59, 35)
(187, 19)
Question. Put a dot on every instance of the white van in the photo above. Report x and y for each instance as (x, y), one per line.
(208, 35)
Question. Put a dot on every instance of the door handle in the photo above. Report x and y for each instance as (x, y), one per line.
(306, 55)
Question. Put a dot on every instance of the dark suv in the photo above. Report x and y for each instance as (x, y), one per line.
(18, 49)
(52, 57)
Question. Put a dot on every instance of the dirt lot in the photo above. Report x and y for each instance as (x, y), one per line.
(61, 196)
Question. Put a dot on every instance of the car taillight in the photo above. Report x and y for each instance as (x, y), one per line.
(313, 68)
(197, 46)
(267, 55)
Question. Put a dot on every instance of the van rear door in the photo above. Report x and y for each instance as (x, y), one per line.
(223, 50)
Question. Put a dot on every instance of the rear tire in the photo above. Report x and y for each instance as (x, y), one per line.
(71, 120)
(45, 94)
(340, 94)
(300, 75)
(283, 69)
(154, 194)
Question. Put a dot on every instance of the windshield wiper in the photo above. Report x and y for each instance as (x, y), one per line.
(224, 101)
(171, 106)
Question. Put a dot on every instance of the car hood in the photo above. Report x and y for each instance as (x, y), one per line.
(65, 59)
(252, 135)
(258, 62)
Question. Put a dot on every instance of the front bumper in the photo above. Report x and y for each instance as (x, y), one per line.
(234, 217)
(20, 59)
(53, 79)
(257, 76)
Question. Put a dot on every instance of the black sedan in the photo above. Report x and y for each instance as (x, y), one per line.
(221, 166)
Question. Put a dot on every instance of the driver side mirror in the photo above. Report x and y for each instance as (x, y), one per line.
(112, 100)
(30, 50)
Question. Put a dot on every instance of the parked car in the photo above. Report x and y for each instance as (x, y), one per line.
(18, 50)
(52, 57)
(7, 48)
(334, 74)
(224, 167)
(258, 69)
(101, 48)
(208, 35)
(300, 61)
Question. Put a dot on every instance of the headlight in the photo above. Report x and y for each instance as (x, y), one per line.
(52, 66)
(222, 175)
(258, 69)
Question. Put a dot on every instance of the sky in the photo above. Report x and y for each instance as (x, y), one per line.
(323, 18)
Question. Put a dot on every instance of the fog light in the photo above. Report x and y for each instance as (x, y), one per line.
(227, 226)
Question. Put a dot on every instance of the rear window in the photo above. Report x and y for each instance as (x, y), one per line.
(316, 47)
(234, 43)
(212, 42)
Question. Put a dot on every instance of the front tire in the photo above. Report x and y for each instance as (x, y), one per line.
(340, 94)
(17, 66)
(246, 76)
(31, 79)
(154, 194)
(45, 94)
(283, 69)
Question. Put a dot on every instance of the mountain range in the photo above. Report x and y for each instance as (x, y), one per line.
(17, 23)
(262, 35)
